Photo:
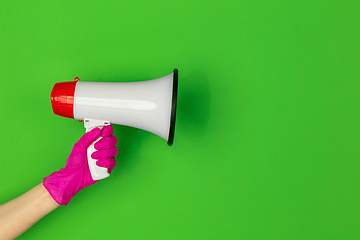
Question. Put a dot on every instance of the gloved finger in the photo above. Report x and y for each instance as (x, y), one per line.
(105, 153)
(106, 142)
(108, 163)
(107, 131)
(88, 138)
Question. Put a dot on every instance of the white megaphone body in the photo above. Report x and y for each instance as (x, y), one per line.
(148, 105)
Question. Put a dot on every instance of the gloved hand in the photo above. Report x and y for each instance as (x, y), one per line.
(65, 183)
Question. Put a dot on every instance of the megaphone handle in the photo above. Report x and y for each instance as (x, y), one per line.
(97, 173)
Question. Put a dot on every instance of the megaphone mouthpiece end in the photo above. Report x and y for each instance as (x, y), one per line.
(62, 99)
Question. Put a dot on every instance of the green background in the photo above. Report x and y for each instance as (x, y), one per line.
(267, 135)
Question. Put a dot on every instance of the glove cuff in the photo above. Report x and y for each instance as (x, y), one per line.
(61, 187)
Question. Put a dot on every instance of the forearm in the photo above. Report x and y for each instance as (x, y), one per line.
(19, 214)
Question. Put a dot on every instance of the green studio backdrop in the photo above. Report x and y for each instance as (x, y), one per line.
(267, 132)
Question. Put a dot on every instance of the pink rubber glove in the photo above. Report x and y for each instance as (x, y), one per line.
(68, 181)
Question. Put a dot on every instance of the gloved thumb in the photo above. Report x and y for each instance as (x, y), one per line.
(88, 138)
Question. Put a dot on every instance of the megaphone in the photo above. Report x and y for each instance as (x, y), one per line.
(148, 105)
